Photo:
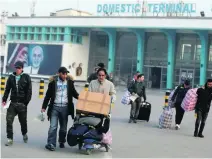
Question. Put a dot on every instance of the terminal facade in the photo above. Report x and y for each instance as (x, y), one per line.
(164, 49)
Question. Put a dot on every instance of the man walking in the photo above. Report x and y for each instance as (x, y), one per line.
(59, 99)
(20, 86)
(204, 97)
(177, 98)
(94, 76)
(137, 87)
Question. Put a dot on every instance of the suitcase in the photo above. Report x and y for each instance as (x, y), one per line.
(145, 111)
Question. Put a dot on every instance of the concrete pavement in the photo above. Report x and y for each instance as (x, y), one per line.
(129, 140)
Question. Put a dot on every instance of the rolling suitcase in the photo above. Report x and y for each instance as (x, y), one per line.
(145, 111)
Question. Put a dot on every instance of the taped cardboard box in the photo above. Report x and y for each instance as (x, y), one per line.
(93, 102)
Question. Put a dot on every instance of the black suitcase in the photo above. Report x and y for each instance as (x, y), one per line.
(145, 111)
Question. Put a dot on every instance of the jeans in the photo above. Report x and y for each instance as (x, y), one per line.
(135, 108)
(179, 114)
(201, 118)
(61, 114)
(16, 109)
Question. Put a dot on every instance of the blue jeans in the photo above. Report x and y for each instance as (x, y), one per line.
(61, 114)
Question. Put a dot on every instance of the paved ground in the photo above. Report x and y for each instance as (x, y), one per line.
(129, 140)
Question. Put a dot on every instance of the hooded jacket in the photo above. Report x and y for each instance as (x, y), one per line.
(204, 97)
(179, 94)
(22, 92)
(49, 99)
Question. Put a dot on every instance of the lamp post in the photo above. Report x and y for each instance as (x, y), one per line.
(4, 15)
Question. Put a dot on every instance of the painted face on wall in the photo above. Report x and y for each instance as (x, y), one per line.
(37, 56)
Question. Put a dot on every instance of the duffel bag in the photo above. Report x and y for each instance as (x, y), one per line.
(75, 132)
(190, 100)
(165, 120)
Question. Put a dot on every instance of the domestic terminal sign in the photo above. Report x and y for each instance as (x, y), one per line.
(149, 7)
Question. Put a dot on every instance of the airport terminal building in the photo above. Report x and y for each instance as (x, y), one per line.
(165, 49)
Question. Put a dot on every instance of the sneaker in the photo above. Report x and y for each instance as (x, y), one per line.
(25, 138)
(177, 127)
(50, 147)
(134, 121)
(9, 142)
(62, 145)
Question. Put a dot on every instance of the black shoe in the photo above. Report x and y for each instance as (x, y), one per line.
(50, 147)
(195, 134)
(62, 145)
(134, 121)
(200, 135)
(130, 121)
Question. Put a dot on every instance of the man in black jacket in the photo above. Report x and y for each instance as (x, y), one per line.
(59, 99)
(137, 87)
(178, 97)
(94, 76)
(204, 97)
(20, 86)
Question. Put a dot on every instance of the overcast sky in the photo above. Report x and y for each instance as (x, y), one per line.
(44, 7)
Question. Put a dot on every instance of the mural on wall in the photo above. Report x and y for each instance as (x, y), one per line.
(75, 69)
(38, 58)
(2, 64)
(79, 70)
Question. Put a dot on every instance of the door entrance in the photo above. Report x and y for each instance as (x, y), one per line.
(156, 77)
(187, 73)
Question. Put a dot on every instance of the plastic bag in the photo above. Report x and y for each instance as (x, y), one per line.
(107, 138)
(41, 117)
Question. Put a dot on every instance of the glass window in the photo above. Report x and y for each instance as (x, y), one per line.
(54, 37)
(32, 37)
(72, 38)
(39, 30)
(78, 40)
(103, 40)
(47, 37)
(26, 29)
(156, 45)
(54, 30)
(210, 53)
(186, 52)
(198, 52)
(33, 29)
(188, 47)
(97, 53)
(19, 29)
(62, 30)
(12, 29)
(18, 36)
(25, 36)
(47, 30)
(12, 36)
(39, 37)
(61, 37)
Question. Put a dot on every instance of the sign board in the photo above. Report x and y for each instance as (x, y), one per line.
(162, 7)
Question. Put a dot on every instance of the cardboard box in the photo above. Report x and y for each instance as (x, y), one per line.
(94, 103)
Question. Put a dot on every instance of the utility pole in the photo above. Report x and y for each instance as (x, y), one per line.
(32, 9)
